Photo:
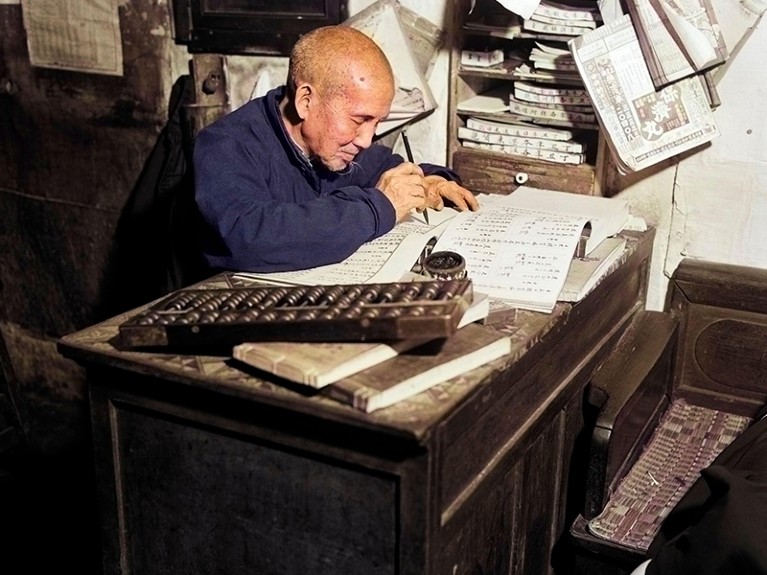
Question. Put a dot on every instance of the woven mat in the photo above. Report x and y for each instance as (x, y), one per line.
(687, 439)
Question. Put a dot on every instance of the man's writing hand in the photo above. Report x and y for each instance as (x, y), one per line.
(438, 189)
(404, 185)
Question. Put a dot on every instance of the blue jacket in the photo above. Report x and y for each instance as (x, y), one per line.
(266, 208)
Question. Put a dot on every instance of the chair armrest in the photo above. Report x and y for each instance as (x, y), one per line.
(631, 389)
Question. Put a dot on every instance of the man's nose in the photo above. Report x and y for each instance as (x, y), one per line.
(364, 137)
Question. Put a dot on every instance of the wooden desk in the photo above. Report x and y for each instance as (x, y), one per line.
(203, 468)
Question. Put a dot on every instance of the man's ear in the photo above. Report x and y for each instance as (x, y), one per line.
(306, 98)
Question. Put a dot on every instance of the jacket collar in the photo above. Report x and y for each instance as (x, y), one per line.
(272, 101)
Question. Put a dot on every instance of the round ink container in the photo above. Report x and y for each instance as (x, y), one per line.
(445, 265)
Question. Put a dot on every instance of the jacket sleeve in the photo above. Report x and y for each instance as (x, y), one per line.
(261, 216)
(435, 170)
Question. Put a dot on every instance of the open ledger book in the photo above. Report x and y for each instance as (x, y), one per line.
(518, 248)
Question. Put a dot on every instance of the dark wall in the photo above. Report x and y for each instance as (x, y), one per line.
(72, 146)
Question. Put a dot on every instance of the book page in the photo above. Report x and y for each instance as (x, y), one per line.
(524, 8)
(515, 253)
(607, 216)
(385, 259)
(701, 37)
(490, 102)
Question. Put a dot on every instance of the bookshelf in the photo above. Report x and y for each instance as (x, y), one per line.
(485, 170)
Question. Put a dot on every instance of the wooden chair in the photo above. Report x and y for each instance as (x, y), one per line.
(680, 386)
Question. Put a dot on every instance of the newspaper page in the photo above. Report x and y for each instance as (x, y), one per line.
(643, 127)
(80, 35)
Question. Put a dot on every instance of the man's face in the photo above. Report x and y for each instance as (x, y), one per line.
(342, 125)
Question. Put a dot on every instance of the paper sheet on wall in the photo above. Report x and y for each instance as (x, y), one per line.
(642, 126)
(81, 35)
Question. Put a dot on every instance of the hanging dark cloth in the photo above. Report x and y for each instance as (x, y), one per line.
(156, 247)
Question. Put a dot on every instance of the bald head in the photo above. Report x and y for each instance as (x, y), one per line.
(334, 58)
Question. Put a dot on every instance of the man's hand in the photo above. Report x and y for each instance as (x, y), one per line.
(405, 187)
(438, 189)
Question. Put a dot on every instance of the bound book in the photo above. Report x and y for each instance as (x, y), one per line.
(560, 157)
(318, 364)
(519, 247)
(678, 39)
(408, 374)
(520, 141)
(519, 129)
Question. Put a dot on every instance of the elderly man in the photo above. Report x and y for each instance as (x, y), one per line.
(291, 180)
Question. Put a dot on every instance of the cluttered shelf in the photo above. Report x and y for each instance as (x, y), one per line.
(642, 78)
(519, 112)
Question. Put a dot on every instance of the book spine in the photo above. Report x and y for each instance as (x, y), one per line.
(567, 13)
(350, 393)
(545, 28)
(709, 87)
(547, 91)
(551, 98)
(559, 77)
(537, 143)
(559, 66)
(579, 22)
(481, 59)
(516, 130)
(524, 109)
(548, 155)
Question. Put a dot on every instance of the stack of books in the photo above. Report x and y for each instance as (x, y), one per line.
(523, 139)
(547, 93)
(549, 63)
(554, 105)
(371, 376)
